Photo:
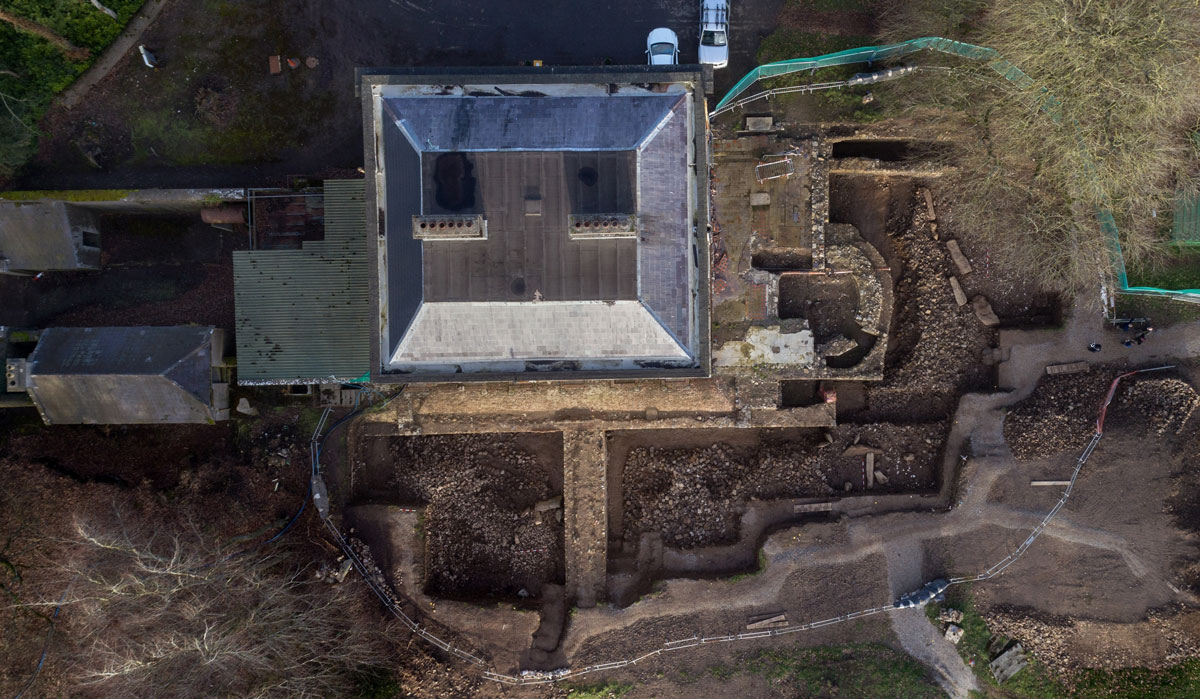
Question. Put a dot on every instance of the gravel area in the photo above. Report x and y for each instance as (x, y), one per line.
(1161, 405)
(1060, 414)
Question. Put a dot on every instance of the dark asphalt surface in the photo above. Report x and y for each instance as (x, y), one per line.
(375, 33)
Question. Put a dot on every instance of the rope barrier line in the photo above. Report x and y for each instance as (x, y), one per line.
(376, 583)
(865, 79)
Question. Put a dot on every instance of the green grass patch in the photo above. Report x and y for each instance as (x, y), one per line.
(1036, 681)
(376, 683)
(855, 670)
(259, 120)
(68, 195)
(605, 690)
(33, 71)
(785, 44)
(974, 644)
(306, 422)
(1180, 681)
(77, 21)
(831, 104)
(1179, 270)
(761, 567)
(1161, 310)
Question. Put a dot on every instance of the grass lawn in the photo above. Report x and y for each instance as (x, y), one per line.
(834, 104)
(856, 670)
(607, 690)
(1179, 270)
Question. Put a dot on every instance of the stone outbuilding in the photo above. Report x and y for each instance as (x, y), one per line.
(120, 376)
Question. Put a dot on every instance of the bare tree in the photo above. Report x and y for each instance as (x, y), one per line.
(150, 612)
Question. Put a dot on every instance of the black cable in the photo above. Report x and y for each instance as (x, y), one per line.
(45, 646)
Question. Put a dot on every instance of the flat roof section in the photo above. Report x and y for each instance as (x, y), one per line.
(527, 257)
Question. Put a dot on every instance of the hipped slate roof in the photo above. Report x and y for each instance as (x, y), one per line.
(500, 299)
(565, 330)
(123, 375)
(560, 123)
(303, 315)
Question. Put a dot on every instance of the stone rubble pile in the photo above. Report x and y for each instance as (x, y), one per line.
(482, 533)
(695, 496)
(1055, 641)
(1060, 414)
(1161, 404)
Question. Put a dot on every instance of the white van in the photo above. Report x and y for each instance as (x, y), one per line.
(714, 32)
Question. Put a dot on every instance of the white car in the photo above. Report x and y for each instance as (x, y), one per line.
(714, 32)
(662, 46)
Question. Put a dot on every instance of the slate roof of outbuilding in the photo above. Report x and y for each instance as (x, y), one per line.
(123, 375)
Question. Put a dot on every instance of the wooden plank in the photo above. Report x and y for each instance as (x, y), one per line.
(870, 469)
(769, 621)
(1071, 368)
(813, 507)
(1041, 483)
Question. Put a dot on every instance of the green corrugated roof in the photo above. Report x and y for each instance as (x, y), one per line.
(304, 315)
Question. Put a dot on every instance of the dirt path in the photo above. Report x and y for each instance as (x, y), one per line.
(1033, 350)
(922, 641)
(585, 455)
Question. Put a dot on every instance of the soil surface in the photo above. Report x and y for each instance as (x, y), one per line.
(483, 537)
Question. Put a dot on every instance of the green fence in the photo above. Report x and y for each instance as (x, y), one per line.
(1032, 93)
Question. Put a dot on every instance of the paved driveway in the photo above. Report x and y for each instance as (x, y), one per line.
(343, 36)
(559, 32)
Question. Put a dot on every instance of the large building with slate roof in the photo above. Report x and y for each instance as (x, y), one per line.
(537, 223)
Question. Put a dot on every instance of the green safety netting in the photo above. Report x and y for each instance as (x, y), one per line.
(1036, 95)
(1185, 230)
